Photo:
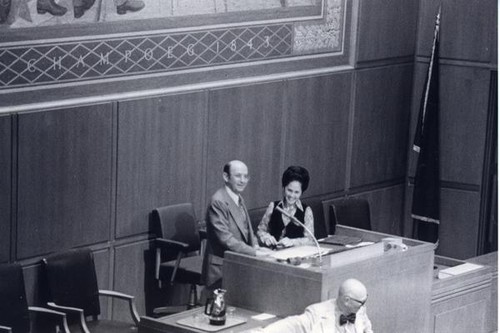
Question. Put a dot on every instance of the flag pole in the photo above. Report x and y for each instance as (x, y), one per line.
(429, 72)
(426, 192)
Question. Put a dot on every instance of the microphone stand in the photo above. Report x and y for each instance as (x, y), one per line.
(296, 220)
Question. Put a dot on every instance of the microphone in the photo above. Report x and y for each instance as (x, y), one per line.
(296, 221)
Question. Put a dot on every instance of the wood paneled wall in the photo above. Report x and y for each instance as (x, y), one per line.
(245, 123)
(160, 157)
(468, 53)
(387, 29)
(381, 120)
(64, 179)
(5, 187)
(317, 116)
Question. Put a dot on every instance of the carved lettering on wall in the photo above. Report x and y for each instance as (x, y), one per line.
(31, 65)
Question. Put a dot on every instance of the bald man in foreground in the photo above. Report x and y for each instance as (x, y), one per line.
(346, 314)
(228, 224)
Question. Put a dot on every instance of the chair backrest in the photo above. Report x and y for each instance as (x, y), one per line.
(72, 280)
(256, 217)
(319, 216)
(13, 305)
(177, 222)
(352, 212)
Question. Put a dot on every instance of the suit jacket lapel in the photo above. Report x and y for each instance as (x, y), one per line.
(250, 234)
(235, 213)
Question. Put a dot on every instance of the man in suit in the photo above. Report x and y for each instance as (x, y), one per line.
(346, 314)
(228, 224)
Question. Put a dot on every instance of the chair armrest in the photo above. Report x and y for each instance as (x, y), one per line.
(59, 316)
(117, 294)
(72, 310)
(171, 244)
(203, 240)
(5, 329)
(129, 298)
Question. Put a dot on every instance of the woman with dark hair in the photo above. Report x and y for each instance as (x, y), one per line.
(277, 229)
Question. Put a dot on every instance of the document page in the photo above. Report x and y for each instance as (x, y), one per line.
(303, 251)
(456, 270)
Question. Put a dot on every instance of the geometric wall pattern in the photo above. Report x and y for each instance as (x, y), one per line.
(77, 61)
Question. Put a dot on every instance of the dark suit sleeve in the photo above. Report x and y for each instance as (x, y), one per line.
(219, 219)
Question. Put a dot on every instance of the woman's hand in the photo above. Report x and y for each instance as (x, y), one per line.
(263, 251)
(270, 241)
(285, 242)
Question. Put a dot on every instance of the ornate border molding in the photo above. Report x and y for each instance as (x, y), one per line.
(94, 59)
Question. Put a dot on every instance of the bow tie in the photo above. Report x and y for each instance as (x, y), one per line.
(349, 318)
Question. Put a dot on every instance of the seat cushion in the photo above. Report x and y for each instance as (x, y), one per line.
(189, 271)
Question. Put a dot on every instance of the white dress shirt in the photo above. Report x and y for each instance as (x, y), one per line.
(321, 318)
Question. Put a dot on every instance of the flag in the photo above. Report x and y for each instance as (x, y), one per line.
(426, 192)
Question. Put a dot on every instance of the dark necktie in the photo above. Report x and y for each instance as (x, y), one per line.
(349, 318)
(243, 213)
(242, 208)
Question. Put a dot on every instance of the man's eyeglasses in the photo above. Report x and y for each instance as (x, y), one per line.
(242, 177)
(361, 303)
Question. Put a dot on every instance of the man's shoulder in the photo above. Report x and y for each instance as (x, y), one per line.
(328, 305)
(219, 194)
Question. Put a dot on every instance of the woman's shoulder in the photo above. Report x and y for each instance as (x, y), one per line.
(307, 209)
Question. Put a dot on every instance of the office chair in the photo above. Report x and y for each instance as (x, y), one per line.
(352, 212)
(319, 217)
(177, 240)
(73, 289)
(14, 309)
(256, 216)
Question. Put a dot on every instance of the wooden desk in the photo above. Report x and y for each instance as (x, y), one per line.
(169, 324)
(490, 259)
(399, 283)
(461, 303)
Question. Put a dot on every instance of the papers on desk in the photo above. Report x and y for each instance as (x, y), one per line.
(349, 246)
(340, 240)
(303, 251)
(456, 270)
(357, 254)
(263, 316)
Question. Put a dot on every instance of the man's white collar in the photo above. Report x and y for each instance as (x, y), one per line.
(234, 196)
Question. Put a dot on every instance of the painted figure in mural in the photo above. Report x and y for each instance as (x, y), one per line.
(4, 10)
(51, 7)
(122, 6)
(79, 7)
